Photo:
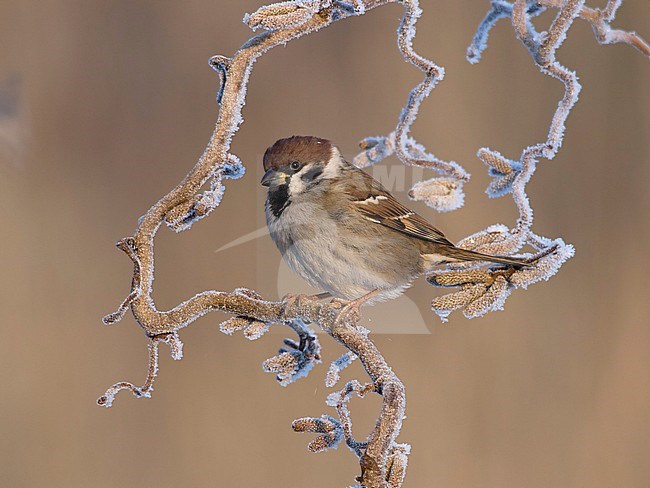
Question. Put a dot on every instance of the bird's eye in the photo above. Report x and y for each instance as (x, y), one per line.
(295, 165)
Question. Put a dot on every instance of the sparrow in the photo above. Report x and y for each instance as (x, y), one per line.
(343, 232)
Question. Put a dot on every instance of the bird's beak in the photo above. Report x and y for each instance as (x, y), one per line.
(272, 175)
(268, 176)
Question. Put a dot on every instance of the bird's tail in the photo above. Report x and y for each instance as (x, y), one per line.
(467, 255)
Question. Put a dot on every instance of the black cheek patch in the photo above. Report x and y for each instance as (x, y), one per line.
(312, 174)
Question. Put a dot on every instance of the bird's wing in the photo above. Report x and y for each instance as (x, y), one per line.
(378, 206)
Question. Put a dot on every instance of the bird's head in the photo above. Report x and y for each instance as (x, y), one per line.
(298, 163)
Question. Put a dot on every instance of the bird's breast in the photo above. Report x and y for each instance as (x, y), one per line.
(336, 258)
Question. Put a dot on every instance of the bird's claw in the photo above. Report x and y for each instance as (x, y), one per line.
(349, 313)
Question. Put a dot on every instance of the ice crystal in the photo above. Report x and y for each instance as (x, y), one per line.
(253, 329)
(183, 215)
(359, 7)
(339, 400)
(496, 161)
(220, 64)
(285, 365)
(504, 171)
(499, 10)
(501, 185)
(494, 233)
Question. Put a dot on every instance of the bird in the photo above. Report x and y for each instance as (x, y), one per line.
(343, 232)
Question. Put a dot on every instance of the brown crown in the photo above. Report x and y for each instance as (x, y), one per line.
(305, 149)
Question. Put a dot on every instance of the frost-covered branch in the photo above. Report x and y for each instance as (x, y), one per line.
(144, 391)
(600, 20)
(484, 290)
(382, 460)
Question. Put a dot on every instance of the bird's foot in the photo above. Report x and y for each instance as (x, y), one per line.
(350, 312)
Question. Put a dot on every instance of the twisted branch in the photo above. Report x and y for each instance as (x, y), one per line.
(184, 205)
(488, 289)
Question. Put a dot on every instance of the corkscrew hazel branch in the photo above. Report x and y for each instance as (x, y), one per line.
(600, 20)
(245, 303)
(479, 296)
(500, 9)
(444, 194)
(144, 391)
(334, 373)
(184, 205)
(333, 431)
(339, 400)
(128, 246)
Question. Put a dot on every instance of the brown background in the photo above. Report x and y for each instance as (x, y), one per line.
(106, 105)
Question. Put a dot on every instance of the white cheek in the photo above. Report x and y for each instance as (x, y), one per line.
(296, 183)
(333, 166)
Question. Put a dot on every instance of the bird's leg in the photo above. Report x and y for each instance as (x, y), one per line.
(351, 309)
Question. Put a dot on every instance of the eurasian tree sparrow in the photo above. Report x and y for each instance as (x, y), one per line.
(342, 231)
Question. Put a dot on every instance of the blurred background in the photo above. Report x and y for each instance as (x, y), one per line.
(105, 106)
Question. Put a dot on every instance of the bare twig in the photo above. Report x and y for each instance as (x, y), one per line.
(144, 391)
(334, 373)
(600, 20)
(479, 296)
